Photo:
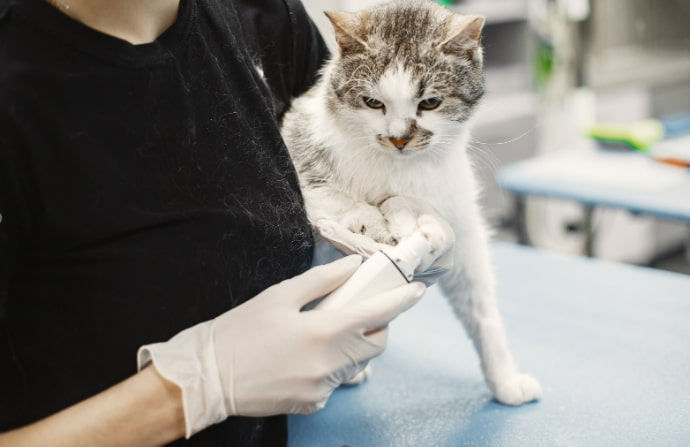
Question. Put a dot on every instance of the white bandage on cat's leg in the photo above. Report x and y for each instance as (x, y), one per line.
(441, 237)
(406, 215)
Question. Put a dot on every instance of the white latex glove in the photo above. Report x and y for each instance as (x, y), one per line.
(405, 215)
(268, 357)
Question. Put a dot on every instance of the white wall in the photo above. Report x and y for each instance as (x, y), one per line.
(315, 8)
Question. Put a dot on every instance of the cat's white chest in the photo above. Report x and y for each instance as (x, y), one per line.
(443, 182)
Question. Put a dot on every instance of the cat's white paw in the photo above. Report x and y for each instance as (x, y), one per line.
(368, 221)
(439, 234)
(405, 215)
(517, 389)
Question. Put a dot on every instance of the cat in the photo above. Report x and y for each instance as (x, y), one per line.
(388, 118)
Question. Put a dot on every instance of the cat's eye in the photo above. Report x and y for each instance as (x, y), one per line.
(373, 103)
(429, 103)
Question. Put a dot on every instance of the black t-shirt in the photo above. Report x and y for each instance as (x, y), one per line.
(143, 189)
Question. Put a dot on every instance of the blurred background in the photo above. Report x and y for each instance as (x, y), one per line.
(554, 68)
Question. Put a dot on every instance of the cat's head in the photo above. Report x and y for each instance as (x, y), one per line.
(408, 74)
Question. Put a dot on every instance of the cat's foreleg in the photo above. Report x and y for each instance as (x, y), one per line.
(356, 215)
(407, 214)
(469, 287)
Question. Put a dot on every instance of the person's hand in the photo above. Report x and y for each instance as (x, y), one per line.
(268, 357)
(405, 215)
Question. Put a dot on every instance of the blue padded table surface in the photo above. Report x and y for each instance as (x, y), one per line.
(610, 344)
(588, 174)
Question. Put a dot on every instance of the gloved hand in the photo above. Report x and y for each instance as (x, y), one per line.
(404, 215)
(268, 357)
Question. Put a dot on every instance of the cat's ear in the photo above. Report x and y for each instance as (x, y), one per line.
(349, 30)
(463, 36)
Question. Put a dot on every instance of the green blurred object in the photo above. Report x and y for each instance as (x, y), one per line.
(640, 135)
(544, 61)
(445, 2)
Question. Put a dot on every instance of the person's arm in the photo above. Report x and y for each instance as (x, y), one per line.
(144, 410)
(264, 357)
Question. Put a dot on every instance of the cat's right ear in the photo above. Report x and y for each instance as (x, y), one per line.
(349, 30)
(463, 36)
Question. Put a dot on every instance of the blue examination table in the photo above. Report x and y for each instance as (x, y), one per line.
(610, 344)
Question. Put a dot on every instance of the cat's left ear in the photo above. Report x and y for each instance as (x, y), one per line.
(349, 30)
(463, 36)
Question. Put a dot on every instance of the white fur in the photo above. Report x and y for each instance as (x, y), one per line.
(368, 172)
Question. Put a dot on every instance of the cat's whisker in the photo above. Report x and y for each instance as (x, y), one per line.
(368, 75)
(484, 159)
(512, 140)
(356, 84)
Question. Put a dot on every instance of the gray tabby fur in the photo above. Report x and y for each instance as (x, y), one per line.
(353, 169)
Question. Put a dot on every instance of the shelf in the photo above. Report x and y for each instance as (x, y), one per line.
(639, 65)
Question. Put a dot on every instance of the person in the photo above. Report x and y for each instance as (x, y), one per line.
(149, 212)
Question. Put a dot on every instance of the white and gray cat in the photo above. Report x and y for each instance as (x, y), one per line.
(389, 118)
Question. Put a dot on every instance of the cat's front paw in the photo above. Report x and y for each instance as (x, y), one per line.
(517, 389)
(368, 221)
(406, 215)
(440, 237)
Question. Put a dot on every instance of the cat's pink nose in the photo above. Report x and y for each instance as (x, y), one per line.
(399, 142)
